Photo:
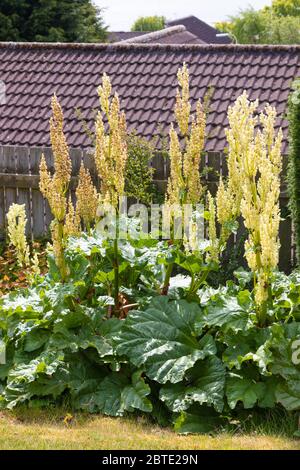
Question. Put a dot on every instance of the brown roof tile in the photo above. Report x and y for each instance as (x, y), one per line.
(145, 78)
(116, 36)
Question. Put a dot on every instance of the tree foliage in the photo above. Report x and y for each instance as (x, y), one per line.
(278, 24)
(51, 21)
(149, 23)
(286, 7)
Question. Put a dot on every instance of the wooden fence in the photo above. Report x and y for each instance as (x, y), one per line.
(19, 183)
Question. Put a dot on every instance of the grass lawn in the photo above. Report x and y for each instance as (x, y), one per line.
(31, 429)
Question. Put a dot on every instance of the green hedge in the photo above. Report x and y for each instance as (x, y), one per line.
(293, 177)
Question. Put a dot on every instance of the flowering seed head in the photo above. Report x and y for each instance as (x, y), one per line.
(182, 105)
(255, 164)
(175, 183)
(16, 227)
(184, 184)
(111, 146)
(104, 92)
(87, 197)
(212, 230)
(72, 222)
(62, 161)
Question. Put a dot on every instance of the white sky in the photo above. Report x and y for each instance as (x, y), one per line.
(119, 15)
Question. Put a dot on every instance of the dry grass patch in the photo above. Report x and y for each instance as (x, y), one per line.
(41, 430)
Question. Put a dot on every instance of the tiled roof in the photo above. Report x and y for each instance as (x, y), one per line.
(116, 36)
(202, 30)
(172, 35)
(145, 78)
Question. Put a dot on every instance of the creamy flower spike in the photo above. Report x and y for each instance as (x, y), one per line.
(184, 184)
(72, 222)
(242, 154)
(182, 105)
(54, 188)
(212, 230)
(35, 268)
(87, 197)
(60, 149)
(191, 243)
(225, 206)
(16, 225)
(104, 93)
(111, 147)
(192, 156)
(255, 163)
(57, 246)
(175, 183)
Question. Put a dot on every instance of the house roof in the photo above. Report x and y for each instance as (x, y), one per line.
(198, 28)
(117, 36)
(202, 30)
(171, 35)
(144, 76)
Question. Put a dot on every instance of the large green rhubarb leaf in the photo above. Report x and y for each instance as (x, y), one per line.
(248, 346)
(228, 313)
(285, 348)
(288, 394)
(117, 394)
(28, 302)
(241, 388)
(198, 420)
(164, 339)
(205, 386)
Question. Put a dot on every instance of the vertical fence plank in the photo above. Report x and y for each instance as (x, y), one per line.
(10, 193)
(76, 159)
(223, 165)
(89, 163)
